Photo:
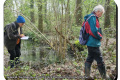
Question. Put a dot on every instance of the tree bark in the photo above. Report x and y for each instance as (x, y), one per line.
(115, 16)
(64, 38)
(45, 1)
(107, 23)
(68, 13)
(40, 17)
(78, 14)
(32, 11)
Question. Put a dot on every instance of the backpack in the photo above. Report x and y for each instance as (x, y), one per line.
(83, 37)
(6, 27)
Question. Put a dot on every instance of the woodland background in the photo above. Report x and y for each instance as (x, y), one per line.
(57, 23)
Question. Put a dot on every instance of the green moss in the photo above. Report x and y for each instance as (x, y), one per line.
(78, 45)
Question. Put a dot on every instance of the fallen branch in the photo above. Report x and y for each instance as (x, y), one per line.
(64, 38)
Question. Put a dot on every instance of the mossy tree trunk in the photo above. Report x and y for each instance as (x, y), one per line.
(40, 16)
(107, 23)
(32, 11)
(78, 15)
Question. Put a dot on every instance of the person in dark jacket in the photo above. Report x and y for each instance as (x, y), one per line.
(94, 41)
(12, 35)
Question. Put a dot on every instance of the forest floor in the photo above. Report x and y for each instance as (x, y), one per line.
(70, 69)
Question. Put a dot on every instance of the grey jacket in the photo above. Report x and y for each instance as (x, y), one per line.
(11, 35)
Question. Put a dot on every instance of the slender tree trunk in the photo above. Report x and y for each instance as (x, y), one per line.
(60, 38)
(107, 14)
(16, 8)
(45, 1)
(45, 12)
(68, 13)
(78, 14)
(32, 11)
(56, 19)
(115, 17)
(40, 17)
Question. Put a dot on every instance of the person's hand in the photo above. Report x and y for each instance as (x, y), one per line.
(101, 40)
(22, 35)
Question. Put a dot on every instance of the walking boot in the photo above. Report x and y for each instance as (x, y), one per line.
(102, 70)
(87, 70)
(17, 60)
(11, 63)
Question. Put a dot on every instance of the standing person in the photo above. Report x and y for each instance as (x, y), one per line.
(94, 41)
(12, 35)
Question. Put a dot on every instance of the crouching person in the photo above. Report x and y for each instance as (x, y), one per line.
(12, 35)
(94, 41)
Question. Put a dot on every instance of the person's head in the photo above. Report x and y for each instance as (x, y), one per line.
(20, 21)
(99, 10)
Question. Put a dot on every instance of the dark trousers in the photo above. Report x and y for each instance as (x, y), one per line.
(15, 53)
(94, 54)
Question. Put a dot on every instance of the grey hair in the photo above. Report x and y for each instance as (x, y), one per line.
(99, 8)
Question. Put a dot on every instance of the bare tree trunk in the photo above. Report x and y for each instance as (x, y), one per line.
(107, 23)
(45, 16)
(65, 38)
(60, 38)
(68, 13)
(32, 11)
(115, 16)
(66, 26)
(78, 14)
(40, 17)
(16, 7)
(45, 1)
(56, 19)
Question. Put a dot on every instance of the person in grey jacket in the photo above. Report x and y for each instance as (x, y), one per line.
(12, 35)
